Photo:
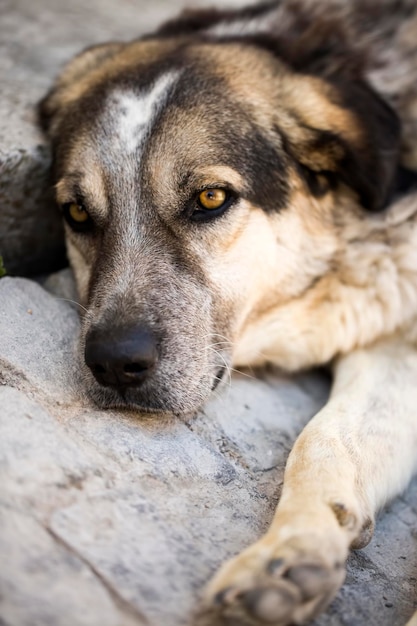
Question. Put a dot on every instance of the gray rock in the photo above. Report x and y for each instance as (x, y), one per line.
(42, 318)
(147, 502)
(31, 233)
(55, 587)
(119, 518)
(42, 581)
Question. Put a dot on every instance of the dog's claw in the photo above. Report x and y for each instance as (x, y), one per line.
(275, 566)
(310, 579)
(221, 597)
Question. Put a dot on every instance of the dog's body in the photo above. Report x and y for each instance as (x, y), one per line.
(238, 188)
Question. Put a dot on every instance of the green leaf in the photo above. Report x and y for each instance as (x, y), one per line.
(2, 268)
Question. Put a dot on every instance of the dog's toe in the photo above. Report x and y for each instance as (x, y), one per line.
(270, 605)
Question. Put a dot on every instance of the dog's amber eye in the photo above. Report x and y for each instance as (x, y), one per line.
(77, 213)
(211, 199)
(212, 203)
(77, 216)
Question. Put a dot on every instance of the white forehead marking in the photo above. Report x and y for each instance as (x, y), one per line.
(137, 111)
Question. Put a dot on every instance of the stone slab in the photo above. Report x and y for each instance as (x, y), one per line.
(54, 587)
(132, 513)
(31, 321)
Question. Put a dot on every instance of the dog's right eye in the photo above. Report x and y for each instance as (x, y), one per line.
(77, 216)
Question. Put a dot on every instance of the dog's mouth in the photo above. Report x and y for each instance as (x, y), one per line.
(166, 396)
(218, 377)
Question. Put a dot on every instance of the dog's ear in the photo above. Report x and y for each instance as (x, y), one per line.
(342, 130)
(342, 133)
(76, 71)
(192, 21)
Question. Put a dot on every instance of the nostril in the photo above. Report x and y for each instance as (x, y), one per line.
(135, 368)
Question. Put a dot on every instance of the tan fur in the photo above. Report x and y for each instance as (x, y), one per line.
(369, 290)
(93, 184)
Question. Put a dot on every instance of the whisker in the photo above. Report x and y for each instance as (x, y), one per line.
(73, 302)
(232, 344)
(243, 373)
(213, 335)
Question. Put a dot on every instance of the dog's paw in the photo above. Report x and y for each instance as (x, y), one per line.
(283, 584)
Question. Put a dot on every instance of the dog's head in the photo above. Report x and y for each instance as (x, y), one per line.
(204, 182)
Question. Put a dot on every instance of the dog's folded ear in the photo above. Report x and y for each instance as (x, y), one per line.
(343, 132)
(70, 80)
(193, 21)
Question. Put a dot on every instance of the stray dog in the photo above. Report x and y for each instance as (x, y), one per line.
(239, 187)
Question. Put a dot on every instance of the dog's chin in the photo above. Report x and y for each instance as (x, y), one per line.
(179, 402)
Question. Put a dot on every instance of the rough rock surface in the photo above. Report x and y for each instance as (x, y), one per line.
(117, 519)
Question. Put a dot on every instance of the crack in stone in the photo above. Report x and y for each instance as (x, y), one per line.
(122, 604)
(218, 440)
(10, 375)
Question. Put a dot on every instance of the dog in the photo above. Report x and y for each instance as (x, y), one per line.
(239, 187)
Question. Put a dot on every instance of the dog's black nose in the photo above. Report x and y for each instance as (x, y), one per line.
(122, 357)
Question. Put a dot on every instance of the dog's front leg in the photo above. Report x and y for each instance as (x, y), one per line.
(360, 450)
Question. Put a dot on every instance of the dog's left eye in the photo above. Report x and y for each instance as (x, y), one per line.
(212, 199)
(77, 216)
(212, 202)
